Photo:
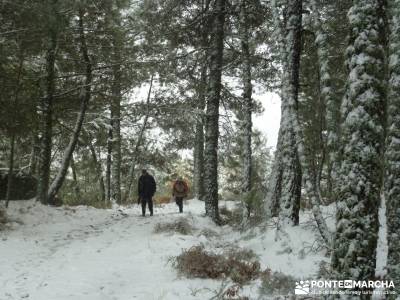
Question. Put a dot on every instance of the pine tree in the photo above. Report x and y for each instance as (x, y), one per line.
(392, 182)
(115, 107)
(212, 112)
(46, 104)
(245, 6)
(198, 153)
(286, 182)
(362, 134)
(85, 97)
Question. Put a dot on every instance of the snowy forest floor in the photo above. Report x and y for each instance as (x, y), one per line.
(86, 253)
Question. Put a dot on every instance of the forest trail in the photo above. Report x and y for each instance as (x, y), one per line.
(85, 253)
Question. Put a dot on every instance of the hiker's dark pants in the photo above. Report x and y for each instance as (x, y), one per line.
(179, 202)
(149, 201)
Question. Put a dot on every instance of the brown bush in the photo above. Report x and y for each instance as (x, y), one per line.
(162, 199)
(239, 265)
(180, 225)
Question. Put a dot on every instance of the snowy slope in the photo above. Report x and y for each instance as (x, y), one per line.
(86, 253)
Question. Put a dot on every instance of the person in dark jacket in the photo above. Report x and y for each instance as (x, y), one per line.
(146, 189)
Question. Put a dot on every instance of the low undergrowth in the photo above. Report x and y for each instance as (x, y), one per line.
(181, 225)
(240, 265)
(277, 283)
(232, 217)
(238, 219)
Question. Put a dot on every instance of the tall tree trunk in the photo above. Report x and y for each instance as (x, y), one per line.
(46, 114)
(199, 137)
(116, 98)
(329, 96)
(10, 169)
(109, 161)
(129, 184)
(85, 97)
(116, 140)
(33, 160)
(198, 151)
(13, 134)
(311, 172)
(212, 113)
(362, 131)
(288, 189)
(99, 171)
(392, 182)
(75, 180)
(247, 95)
(272, 204)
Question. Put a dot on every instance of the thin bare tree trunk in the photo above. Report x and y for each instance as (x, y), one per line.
(247, 96)
(198, 151)
(116, 140)
(199, 137)
(10, 169)
(13, 137)
(129, 184)
(75, 179)
(46, 112)
(109, 162)
(85, 97)
(99, 172)
(34, 155)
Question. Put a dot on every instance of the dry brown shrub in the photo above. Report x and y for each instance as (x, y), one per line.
(162, 199)
(180, 225)
(238, 265)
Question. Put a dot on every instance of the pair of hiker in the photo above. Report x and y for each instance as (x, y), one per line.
(147, 188)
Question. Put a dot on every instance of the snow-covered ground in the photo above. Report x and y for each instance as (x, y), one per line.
(85, 253)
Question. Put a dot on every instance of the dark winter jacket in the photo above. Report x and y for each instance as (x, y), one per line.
(146, 186)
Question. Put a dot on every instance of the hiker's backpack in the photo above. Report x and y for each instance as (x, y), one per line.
(180, 189)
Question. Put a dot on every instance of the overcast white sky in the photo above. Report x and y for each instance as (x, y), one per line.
(268, 122)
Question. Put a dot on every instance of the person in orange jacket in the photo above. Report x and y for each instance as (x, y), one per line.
(180, 190)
